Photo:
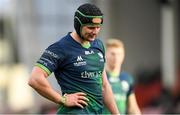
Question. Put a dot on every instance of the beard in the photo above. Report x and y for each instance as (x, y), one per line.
(90, 37)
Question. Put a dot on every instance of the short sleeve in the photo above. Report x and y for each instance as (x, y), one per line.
(131, 83)
(129, 79)
(51, 58)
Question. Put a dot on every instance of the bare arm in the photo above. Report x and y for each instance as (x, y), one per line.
(108, 96)
(39, 82)
(132, 105)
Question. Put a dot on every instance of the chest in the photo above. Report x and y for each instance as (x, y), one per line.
(119, 86)
(84, 60)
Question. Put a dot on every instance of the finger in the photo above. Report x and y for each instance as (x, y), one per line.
(79, 105)
(83, 98)
(81, 94)
(82, 102)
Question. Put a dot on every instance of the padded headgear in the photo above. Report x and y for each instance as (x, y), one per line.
(85, 15)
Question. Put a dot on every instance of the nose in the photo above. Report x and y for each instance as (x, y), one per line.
(95, 30)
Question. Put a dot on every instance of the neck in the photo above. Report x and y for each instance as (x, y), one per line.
(113, 70)
(76, 37)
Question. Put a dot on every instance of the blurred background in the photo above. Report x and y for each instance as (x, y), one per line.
(150, 30)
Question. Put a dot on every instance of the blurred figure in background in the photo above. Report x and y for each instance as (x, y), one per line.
(121, 82)
(77, 61)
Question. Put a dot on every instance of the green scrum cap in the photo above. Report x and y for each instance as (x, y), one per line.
(87, 14)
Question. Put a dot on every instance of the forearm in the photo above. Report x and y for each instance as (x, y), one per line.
(42, 86)
(135, 111)
(39, 82)
(109, 100)
(133, 107)
(50, 94)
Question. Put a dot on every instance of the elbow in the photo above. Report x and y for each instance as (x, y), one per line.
(106, 86)
(32, 82)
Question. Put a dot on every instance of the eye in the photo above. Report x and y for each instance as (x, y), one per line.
(91, 28)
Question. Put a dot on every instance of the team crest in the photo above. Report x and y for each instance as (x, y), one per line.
(101, 56)
(125, 86)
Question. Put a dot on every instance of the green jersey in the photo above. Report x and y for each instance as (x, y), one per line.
(122, 87)
(77, 69)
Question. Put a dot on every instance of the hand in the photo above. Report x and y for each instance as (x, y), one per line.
(76, 99)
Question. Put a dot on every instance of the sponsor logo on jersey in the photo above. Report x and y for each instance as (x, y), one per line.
(46, 60)
(51, 54)
(119, 97)
(80, 61)
(93, 74)
(79, 58)
(114, 79)
(125, 85)
(89, 52)
(101, 57)
(43, 62)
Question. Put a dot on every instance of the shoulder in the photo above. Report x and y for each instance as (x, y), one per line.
(58, 48)
(63, 40)
(126, 77)
(97, 43)
(60, 44)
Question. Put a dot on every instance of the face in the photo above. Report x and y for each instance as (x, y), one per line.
(114, 56)
(90, 32)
